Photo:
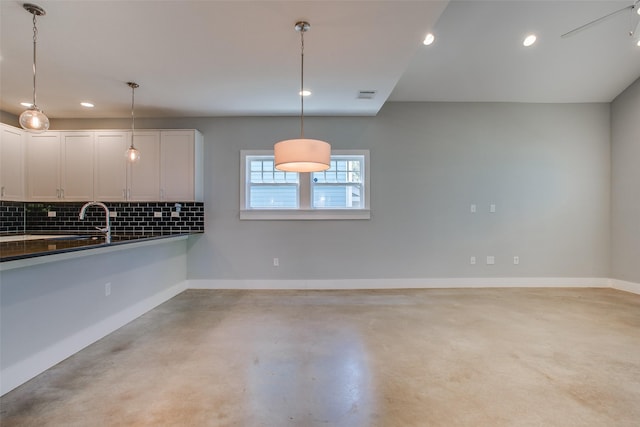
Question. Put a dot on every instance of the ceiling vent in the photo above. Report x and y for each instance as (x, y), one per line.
(366, 94)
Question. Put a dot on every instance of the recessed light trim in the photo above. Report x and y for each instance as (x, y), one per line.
(529, 40)
(429, 39)
(304, 93)
(87, 104)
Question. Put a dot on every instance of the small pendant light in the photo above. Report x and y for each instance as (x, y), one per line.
(133, 154)
(302, 154)
(33, 119)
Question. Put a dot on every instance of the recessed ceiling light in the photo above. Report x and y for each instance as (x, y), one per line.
(26, 104)
(529, 40)
(304, 92)
(429, 39)
(87, 104)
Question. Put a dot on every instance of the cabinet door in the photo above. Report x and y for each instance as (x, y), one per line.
(110, 173)
(11, 163)
(177, 165)
(43, 164)
(144, 176)
(77, 155)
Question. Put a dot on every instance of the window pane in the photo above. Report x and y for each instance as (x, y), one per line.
(336, 196)
(279, 177)
(256, 177)
(273, 197)
(292, 177)
(256, 165)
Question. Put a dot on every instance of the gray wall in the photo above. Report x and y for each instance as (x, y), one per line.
(546, 167)
(625, 185)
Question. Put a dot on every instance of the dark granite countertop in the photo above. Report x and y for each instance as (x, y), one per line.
(51, 244)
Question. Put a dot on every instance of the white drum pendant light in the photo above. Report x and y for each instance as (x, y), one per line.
(33, 119)
(133, 154)
(302, 154)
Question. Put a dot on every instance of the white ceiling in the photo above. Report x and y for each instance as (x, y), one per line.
(234, 58)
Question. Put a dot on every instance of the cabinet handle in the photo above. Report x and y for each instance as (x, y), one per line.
(62, 193)
(123, 194)
(2, 191)
(57, 193)
(128, 193)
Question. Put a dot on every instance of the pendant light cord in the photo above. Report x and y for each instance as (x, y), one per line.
(133, 117)
(302, 83)
(133, 87)
(35, 39)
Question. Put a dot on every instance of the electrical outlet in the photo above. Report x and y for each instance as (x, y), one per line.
(107, 289)
(472, 260)
(113, 214)
(175, 214)
(492, 208)
(51, 214)
(473, 209)
(157, 214)
(276, 262)
(516, 260)
(491, 260)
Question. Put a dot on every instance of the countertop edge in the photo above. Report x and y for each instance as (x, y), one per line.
(89, 251)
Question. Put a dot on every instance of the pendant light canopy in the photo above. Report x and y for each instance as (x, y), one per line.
(133, 154)
(302, 154)
(33, 119)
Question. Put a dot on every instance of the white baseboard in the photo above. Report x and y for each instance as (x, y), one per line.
(23, 371)
(465, 282)
(622, 285)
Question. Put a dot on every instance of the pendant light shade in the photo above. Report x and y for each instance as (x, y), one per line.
(132, 153)
(33, 119)
(302, 154)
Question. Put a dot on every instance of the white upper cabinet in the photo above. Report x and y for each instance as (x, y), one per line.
(181, 165)
(77, 157)
(60, 166)
(110, 174)
(92, 165)
(43, 166)
(143, 177)
(12, 177)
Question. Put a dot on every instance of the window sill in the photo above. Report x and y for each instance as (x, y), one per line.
(297, 214)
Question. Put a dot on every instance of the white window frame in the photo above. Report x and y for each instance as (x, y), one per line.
(304, 211)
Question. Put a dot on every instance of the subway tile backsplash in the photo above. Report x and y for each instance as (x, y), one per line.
(132, 218)
(12, 217)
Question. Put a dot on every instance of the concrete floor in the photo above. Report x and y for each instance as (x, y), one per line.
(440, 357)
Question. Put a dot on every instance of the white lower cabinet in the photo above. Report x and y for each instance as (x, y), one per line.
(12, 177)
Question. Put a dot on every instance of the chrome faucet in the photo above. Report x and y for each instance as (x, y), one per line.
(107, 229)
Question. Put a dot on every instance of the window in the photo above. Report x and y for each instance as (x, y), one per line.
(341, 192)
